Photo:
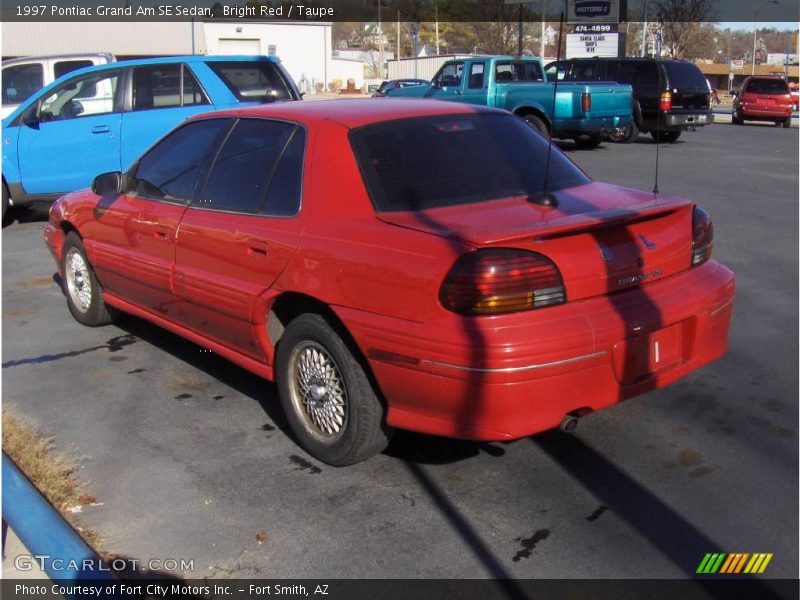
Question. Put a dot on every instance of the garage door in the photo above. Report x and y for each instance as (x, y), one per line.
(239, 46)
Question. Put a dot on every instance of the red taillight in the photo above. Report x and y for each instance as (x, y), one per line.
(702, 236)
(666, 101)
(586, 102)
(501, 280)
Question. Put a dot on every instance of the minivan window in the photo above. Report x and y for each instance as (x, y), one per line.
(244, 165)
(429, 162)
(169, 171)
(81, 96)
(257, 81)
(767, 86)
(159, 86)
(21, 81)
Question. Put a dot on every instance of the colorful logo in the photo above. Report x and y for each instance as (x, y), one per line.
(737, 562)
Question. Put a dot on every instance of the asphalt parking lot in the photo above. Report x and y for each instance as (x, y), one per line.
(189, 459)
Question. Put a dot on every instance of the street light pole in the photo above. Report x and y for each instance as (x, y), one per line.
(755, 14)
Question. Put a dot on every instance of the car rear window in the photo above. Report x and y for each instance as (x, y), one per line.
(430, 162)
(767, 86)
(685, 75)
(258, 81)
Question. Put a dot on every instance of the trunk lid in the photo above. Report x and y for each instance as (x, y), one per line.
(602, 237)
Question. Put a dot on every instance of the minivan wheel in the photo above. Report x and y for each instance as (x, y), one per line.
(787, 122)
(84, 294)
(736, 118)
(329, 402)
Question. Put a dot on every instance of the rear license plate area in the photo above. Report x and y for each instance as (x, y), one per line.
(645, 355)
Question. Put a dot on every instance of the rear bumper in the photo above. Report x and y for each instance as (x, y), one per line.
(502, 378)
(689, 120)
(591, 126)
(769, 114)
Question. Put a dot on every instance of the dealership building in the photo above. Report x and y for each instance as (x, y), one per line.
(304, 48)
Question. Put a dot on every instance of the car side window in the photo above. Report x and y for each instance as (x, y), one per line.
(285, 186)
(21, 81)
(84, 96)
(159, 86)
(476, 75)
(245, 164)
(528, 71)
(171, 169)
(504, 72)
(449, 75)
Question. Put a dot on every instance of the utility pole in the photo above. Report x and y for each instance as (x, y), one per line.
(644, 31)
(543, 39)
(436, 18)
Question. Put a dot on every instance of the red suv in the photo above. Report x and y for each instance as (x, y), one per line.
(763, 99)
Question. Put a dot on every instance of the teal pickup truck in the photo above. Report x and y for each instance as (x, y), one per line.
(584, 112)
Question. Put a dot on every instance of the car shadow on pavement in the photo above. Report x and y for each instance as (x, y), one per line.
(231, 375)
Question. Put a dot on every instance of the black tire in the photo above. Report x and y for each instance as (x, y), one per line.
(83, 291)
(628, 136)
(361, 430)
(736, 118)
(538, 124)
(5, 201)
(787, 122)
(588, 142)
(669, 137)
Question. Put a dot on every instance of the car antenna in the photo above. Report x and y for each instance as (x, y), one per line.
(546, 198)
(658, 126)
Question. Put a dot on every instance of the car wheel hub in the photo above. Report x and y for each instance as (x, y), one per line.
(318, 391)
(78, 283)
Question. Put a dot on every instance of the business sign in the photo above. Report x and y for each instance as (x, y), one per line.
(598, 40)
(593, 11)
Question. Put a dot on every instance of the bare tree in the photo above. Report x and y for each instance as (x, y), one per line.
(682, 21)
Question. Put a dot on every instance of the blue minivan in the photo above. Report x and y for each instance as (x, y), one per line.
(99, 119)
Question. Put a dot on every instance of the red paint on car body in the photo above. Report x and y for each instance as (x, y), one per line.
(637, 315)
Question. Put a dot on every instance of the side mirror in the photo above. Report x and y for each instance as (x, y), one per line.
(107, 184)
(734, 92)
(436, 84)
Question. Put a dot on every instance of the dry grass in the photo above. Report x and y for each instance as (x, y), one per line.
(49, 471)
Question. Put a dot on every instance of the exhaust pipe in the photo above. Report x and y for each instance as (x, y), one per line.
(568, 423)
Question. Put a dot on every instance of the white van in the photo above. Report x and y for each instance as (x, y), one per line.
(24, 76)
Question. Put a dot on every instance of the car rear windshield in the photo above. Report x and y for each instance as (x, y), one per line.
(430, 162)
(767, 86)
(256, 81)
(685, 75)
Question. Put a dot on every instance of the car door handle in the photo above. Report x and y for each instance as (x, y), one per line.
(161, 236)
(257, 251)
(100, 129)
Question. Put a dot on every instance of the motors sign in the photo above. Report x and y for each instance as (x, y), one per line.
(588, 41)
(593, 11)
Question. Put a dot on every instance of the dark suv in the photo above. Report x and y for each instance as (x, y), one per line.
(669, 95)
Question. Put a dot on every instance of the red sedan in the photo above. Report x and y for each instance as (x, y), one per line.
(404, 265)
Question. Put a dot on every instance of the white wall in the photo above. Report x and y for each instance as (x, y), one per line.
(304, 48)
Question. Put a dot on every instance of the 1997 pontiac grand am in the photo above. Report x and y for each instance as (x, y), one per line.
(399, 265)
